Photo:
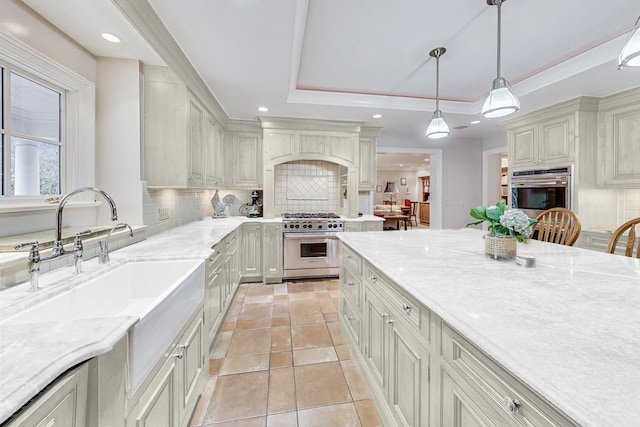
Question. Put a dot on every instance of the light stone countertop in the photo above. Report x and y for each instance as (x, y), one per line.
(569, 328)
(26, 350)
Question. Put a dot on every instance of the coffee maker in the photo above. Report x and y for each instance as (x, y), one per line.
(253, 209)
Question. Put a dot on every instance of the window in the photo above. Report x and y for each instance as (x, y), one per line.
(32, 135)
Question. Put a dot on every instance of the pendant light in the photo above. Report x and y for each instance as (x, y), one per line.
(438, 127)
(501, 100)
(630, 54)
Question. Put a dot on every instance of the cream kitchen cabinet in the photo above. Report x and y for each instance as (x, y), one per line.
(372, 225)
(272, 252)
(214, 153)
(352, 226)
(181, 147)
(546, 143)
(367, 159)
(169, 399)
(618, 148)
(213, 303)
(245, 160)
(251, 252)
(63, 404)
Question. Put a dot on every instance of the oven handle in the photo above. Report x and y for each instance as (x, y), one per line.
(301, 236)
(539, 183)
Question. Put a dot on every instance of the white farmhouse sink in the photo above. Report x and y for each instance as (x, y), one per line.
(162, 294)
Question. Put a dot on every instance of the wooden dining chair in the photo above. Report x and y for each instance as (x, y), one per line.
(413, 214)
(629, 228)
(557, 225)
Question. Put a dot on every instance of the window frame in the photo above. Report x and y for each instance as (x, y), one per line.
(7, 131)
(78, 159)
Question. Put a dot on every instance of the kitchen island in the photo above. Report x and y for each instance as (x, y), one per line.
(489, 341)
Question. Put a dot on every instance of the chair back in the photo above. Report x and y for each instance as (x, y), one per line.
(557, 225)
(628, 227)
(407, 202)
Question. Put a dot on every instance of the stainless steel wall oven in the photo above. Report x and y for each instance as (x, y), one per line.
(534, 191)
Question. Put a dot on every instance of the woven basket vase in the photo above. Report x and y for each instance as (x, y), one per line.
(500, 247)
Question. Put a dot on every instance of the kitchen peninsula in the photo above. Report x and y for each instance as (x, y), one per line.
(446, 336)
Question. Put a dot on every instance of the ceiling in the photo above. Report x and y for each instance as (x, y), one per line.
(349, 60)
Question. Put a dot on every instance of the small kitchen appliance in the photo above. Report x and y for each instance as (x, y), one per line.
(253, 209)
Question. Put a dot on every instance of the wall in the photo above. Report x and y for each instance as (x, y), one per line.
(413, 185)
(628, 205)
(118, 151)
(461, 175)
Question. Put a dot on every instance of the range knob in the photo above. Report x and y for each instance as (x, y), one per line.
(297, 225)
(320, 226)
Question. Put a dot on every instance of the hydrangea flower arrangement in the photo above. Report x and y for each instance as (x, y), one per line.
(503, 221)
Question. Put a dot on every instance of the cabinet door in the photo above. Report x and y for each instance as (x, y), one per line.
(408, 377)
(246, 160)
(251, 259)
(191, 365)
(195, 129)
(64, 404)
(557, 141)
(272, 252)
(342, 147)
(367, 165)
(213, 302)
(213, 152)
(425, 212)
(619, 147)
(523, 146)
(376, 339)
(158, 403)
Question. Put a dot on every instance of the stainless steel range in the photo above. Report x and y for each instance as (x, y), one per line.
(311, 244)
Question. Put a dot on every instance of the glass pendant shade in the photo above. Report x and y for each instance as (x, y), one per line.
(438, 127)
(630, 55)
(501, 100)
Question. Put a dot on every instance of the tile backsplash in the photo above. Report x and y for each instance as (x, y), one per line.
(628, 204)
(307, 186)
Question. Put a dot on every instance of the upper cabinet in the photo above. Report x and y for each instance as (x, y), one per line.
(367, 158)
(182, 141)
(246, 160)
(618, 140)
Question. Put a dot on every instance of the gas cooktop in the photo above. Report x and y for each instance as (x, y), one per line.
(306, 215)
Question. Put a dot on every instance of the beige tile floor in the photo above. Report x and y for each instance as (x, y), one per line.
(281, 360)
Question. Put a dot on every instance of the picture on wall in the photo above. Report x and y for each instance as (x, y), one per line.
(403, 181)
(378, 188)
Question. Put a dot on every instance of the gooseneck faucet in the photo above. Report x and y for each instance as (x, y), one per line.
(103, 256)
(58, 247)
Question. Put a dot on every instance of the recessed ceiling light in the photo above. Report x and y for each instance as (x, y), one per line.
(377, 116)
(263, 109)
(401, 165)
(111, 37)
(426, 160)
(475, 122)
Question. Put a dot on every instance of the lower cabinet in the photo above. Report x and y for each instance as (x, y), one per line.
(63, 404)
(397, 362)
(213, 304)
(273, 253)
(170, 397)
(251, 252)
(425, 212)
(420, 371)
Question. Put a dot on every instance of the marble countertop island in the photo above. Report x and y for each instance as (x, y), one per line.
(569, 327)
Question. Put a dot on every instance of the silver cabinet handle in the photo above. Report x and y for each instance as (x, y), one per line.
(512, 404)
(374, 278)
(390, 321)
(406, 307)
(180, 355)
(350, 283)
(350, 317)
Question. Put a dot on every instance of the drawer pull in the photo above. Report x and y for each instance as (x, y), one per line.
(374, 278)
(351, 283)
(390, 321)
(406, 307)
(350, 318)
(180, 355)
(512, 404)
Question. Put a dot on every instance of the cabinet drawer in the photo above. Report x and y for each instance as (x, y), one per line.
(351, 286)
(503, 392)
(351, 319)
(400, 303)
(351, 259)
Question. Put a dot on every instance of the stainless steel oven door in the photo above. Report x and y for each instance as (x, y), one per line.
(533, 195)
(310, 255)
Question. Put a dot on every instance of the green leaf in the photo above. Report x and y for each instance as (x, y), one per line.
(479, 212)
(475, 223)
(501, 205)
(494, 214)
